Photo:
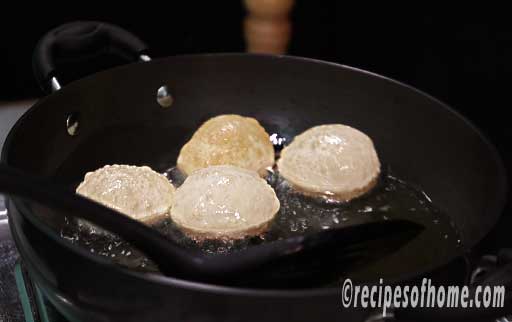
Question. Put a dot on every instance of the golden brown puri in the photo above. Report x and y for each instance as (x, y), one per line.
(228, 139)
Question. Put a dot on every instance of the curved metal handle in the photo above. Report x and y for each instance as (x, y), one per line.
(3, 208)
(491, 271)
(79, 41)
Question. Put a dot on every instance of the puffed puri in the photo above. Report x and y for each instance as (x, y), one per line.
(334, 161)
(224, 202)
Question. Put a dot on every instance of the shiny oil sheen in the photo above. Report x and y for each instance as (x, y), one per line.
(299, 214)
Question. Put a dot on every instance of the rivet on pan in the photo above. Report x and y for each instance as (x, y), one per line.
(72, 124)
(379, 317)
(164, 97)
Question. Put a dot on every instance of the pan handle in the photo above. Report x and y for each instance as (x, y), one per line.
(491, 271)
(82, 40)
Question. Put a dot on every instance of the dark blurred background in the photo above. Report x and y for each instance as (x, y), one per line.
(463, 59)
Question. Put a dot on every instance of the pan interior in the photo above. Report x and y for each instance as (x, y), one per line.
(299, 215)
(421, 140)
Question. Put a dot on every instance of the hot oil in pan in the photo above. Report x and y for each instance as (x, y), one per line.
(391, 198)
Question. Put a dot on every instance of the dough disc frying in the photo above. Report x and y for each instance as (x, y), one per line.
(336, 161)
(224, 201)
(228, 139)
(138, 192)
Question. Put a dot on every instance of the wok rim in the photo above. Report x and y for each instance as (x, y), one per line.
(494, 154)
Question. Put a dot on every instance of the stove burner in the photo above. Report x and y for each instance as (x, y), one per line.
(36, 308)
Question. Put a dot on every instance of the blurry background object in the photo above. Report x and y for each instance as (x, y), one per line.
(462, 59)
(267, 26)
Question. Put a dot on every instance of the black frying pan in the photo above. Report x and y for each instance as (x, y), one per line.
(115, 117)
